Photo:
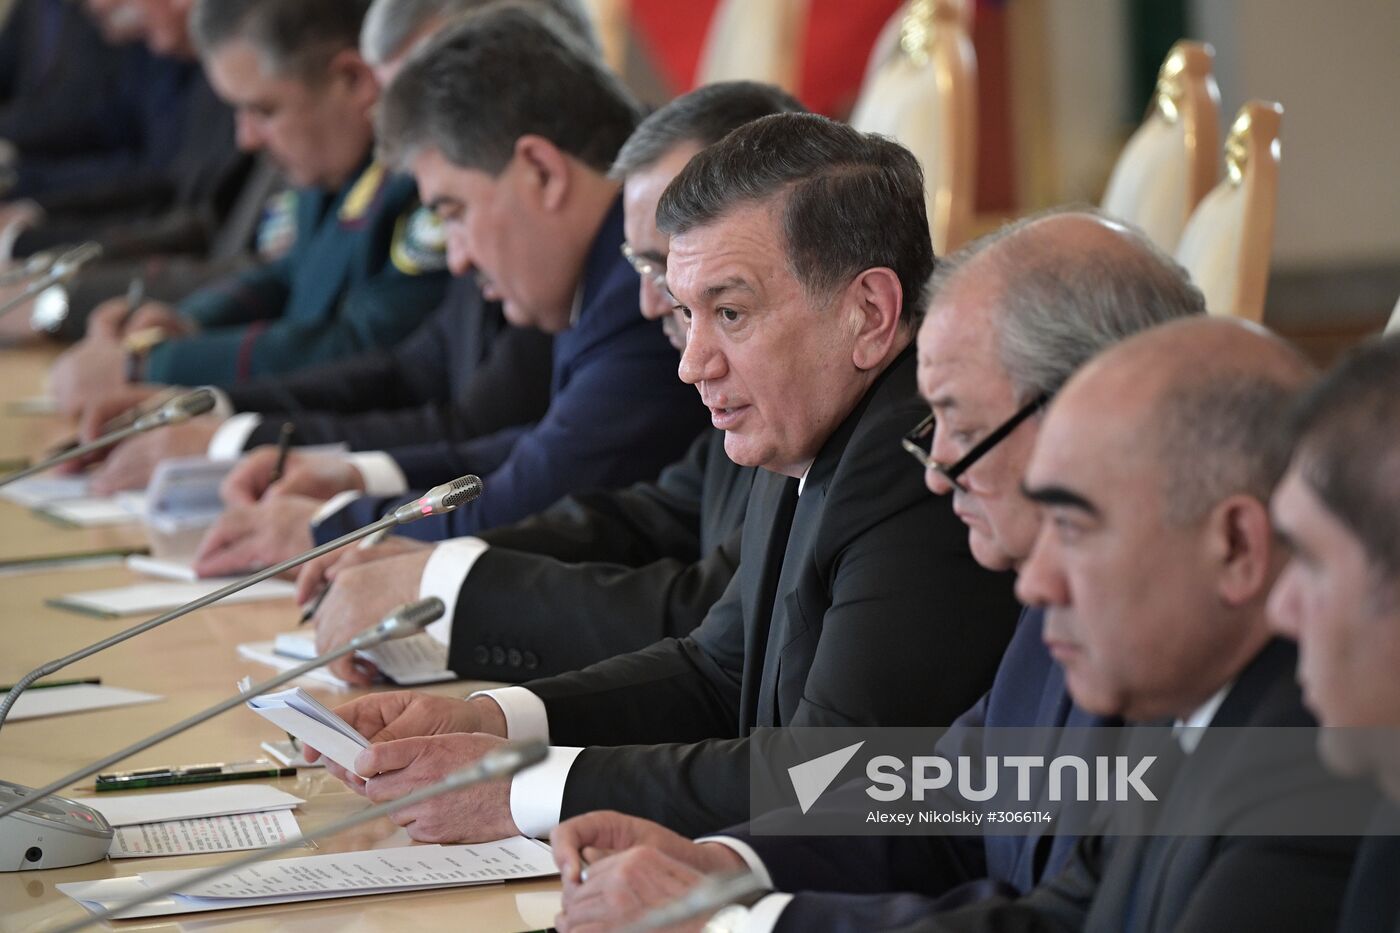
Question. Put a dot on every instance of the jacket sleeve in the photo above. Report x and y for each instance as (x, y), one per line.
(564, 616)
(380, 312)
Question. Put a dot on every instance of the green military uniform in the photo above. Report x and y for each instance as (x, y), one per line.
(365, 267)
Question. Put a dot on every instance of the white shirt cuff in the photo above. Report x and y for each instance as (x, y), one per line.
(745, 852)
(381, 474)
(537, 794)
(334, 504)
(231, 439)
(444, 575)
(526, 718)
(763, 916)
(223, 405)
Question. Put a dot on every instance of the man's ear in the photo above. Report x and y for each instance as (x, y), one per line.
(1241, 547)
(547, 170)
(872, 304)
(348, 67)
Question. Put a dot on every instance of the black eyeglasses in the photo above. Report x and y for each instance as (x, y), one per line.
(918, 442)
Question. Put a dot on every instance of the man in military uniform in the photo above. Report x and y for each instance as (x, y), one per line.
(366, 264)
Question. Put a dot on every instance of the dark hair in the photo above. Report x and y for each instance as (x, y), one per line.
(293, 37)
(851, 201)
(480, 85)
(704, 116)
(1348, 447)
(391, 24)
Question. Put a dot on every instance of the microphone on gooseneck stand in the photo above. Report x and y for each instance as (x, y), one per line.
(38, 830)
(179, 409)
(436, 501)
(498, 763)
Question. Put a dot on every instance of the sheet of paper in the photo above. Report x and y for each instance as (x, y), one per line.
(314, 877)
(34, 405)
(302, 715)
(34, 491)
(79, 698)
(165, 569)
(205, 834)
(147, 598)
(224, 800)
(263, 652)
(122, 509)
(384, 869)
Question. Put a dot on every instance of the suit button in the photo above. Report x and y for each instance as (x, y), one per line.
(498, 656)
(531, 662)
(481, 655)
(513, 657)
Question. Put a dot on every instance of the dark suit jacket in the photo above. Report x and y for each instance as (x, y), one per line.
(869, 881)
(334, 294)
(1373, 895)
(463, 373)
(1153, 884)
(858, 603)
(617, 414)
(602, 573)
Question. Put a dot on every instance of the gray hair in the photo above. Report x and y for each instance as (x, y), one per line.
(391, 25)
(1349, 449)
(292, 37)
(1056, 315)
(704, 116)
(481, 84)
(851, 201)
(1219, 434)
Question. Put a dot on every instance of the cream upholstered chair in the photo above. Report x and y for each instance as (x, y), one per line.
(921, 89)
(609, 19)
(1170, 162)
(1228, 240)
(755, 40)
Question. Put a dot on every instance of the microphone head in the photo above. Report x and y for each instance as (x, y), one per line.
(178, 409)
(440, 499)
(510, 758)
(410, 619)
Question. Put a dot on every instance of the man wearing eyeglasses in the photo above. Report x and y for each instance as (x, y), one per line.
(1012, 316)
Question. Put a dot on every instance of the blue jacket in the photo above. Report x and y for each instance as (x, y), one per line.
(336, 292)
(617, 414)
(878, 882)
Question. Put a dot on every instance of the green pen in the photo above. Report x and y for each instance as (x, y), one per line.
(191, 774)
(6, 688)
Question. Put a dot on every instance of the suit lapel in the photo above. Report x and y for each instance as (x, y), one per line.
(771, 507)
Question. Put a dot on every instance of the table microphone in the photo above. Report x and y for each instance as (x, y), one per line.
(503, 761)
(408, 619)
(179, 409)
(714, 892)
(39, 275)
(436, 501)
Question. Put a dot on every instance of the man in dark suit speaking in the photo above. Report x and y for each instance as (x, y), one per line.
(799, 253)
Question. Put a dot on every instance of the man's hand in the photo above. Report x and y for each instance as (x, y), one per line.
(624, 888)
(320, 476)
(316, 574)
(595, 836)
(479, 813)
(94, 367)
(131, 463)
(254, 536)
(361, 597)
(111, 319)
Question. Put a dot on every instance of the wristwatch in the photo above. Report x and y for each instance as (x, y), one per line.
(730, 919)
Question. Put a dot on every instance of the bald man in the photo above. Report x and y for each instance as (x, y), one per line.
(1153, 564)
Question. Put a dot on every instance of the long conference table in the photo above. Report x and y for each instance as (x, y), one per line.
(193, 663)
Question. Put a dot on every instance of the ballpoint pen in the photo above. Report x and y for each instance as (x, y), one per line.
(191, 774)
(77, 681)
(284, 444)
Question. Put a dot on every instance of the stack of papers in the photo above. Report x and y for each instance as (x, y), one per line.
(125, 508)
(418, 659)
(316, 877)
(78, 698)
(302, 715)
(214, 819)
(45, 489)
(148, 598)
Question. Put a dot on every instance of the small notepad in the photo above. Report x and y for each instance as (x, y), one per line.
(302, 715)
